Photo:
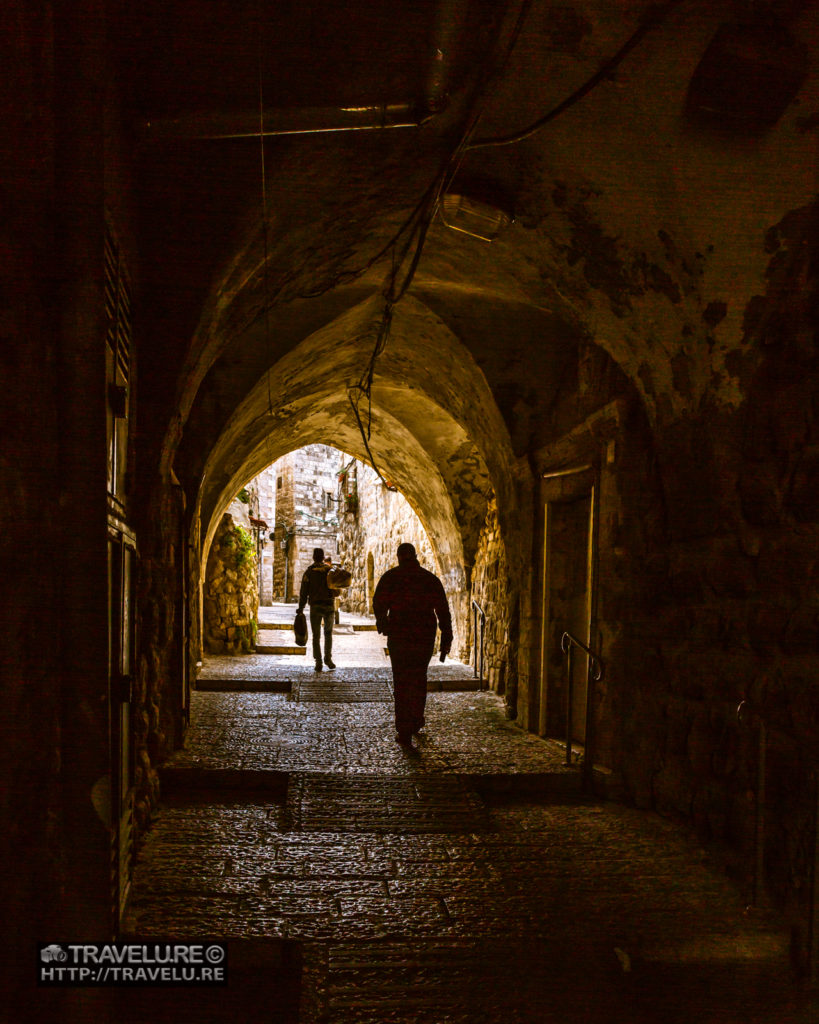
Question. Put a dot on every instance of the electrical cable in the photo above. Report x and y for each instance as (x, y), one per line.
(413, 230)
(417, 227)
(654, 17)
(265, 267)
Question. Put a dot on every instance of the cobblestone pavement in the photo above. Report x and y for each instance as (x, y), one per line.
(459, 884)
(466, 733)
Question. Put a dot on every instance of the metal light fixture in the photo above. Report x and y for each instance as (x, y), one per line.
(473, 216)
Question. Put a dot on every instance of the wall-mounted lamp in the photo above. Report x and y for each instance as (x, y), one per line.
(473, 217)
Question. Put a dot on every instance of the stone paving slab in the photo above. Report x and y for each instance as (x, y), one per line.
(285, 669)
(431, 803)
(489, 925)
(466, 734)
(330, 688)
(495, 881)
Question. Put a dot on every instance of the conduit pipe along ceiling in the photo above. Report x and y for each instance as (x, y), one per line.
(445, 35)
(305, 121)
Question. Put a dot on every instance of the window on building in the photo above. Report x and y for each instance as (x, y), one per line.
(118, 364)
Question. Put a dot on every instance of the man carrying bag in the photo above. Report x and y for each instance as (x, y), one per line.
(315, 592)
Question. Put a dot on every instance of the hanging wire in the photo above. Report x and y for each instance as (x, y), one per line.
(654, 17)
(265, 264)
(406, 244)
(416, 229)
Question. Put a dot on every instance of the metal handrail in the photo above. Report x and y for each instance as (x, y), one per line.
(594, 674)
(746, 713)
(476, 611)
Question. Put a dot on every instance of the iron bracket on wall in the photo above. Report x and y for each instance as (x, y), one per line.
(594, 674)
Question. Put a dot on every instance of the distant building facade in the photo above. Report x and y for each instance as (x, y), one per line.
(303, 486)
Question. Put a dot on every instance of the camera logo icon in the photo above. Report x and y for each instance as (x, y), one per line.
(53, 954)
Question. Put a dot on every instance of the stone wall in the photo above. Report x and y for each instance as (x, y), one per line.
(231, 604)
(490, 589)
(306, 513)
(734, 608)
(378, 520)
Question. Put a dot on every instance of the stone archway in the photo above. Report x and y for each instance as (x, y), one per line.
(436, 431)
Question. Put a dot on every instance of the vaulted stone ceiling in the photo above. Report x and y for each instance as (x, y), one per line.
(640, 227)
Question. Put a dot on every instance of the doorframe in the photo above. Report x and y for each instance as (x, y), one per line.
(120, 692)
(561, 486)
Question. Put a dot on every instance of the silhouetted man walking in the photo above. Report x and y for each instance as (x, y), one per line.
(410, 604)
(322, 607)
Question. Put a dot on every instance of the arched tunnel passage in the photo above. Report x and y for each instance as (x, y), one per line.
(436, 434)
(316, 496)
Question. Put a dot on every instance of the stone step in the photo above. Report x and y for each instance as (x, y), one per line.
(343, 628)
(279, 649)
(182, 778)
(244, 685)
(276, 684)
(357, 626)
(454, 685)
(277, 785)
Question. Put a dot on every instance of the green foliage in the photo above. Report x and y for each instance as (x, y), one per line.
(245, 548)
(243, 496)
(242, 541)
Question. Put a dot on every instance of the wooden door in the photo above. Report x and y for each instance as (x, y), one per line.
(567, 603)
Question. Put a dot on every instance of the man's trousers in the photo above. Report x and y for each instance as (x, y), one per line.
(322, 613)
(409, 674)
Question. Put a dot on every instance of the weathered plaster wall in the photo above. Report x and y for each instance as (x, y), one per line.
(738, 588)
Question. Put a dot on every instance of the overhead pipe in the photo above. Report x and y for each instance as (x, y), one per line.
(279, 121)
(449, 21)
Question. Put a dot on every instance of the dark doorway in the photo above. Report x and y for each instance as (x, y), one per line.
(567, 606)
(121, 647)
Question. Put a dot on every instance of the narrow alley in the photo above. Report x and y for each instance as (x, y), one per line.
(530, 286)
(465, 881)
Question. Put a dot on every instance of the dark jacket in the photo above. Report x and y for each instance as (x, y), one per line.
(314, 587)
(409, 604)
